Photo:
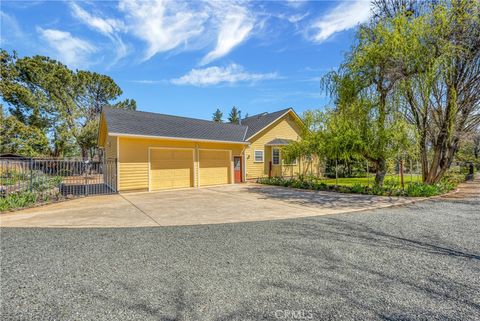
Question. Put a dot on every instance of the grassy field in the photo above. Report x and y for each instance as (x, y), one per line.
(369, 181)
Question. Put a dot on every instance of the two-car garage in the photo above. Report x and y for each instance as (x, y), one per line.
(172, 168)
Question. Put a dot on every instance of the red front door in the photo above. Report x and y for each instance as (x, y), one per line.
(237, 169)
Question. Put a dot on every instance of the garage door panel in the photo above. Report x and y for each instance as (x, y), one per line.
(214, 167)
(171, 169)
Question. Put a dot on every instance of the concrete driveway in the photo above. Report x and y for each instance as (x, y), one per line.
(213, 205)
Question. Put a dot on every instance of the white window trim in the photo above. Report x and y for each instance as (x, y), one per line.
(279, 156)
(255, 158)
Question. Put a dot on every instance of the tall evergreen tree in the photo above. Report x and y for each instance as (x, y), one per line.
(234, 116)
(217, 116)
(57, 102)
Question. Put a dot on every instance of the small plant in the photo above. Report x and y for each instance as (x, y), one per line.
(422, 190)
(17, 200)
(358, 188)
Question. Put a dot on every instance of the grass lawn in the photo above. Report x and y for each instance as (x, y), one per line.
(369, 181)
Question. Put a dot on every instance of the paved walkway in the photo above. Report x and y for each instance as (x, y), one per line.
(214, 205)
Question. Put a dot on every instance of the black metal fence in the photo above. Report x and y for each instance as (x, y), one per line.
(57, 178)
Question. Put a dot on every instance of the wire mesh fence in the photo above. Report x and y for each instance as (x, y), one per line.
(400, 172)
(53, 178)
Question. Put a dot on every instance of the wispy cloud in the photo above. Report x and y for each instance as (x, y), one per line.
(10, 27)
(295, 3)
(173, 25)
(163, 25)
(235, 25)
(344, 16)
(103, 25)
(106, 26)
(231, 74)
(70, 50)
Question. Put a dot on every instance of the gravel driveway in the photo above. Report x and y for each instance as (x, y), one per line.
(416, 262)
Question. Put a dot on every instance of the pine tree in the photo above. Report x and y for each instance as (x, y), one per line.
(234, 116)
(217, 116)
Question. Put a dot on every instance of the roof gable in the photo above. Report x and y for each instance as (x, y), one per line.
(257, 123)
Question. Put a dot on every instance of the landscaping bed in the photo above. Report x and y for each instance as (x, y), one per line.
(391, 187)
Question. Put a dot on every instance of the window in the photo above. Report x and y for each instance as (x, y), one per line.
(275, 156)
(258, 155)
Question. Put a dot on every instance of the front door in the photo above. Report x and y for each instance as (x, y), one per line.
(237, 169)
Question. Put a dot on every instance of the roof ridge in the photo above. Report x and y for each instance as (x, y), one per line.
(268, 113)
(175, 116)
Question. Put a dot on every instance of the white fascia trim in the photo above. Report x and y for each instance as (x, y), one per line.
(179, 139)
(261, 130)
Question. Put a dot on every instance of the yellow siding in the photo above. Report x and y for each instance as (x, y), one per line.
(215, 167)
(111, 147)
(102, 131)
(287, 128)
(134, 165)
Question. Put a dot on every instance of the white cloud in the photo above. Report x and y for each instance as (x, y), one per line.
(174, 25)
(295, 3)
(70, 50)
(344, 16)
(235, 25)
(10, 29)
(233, 73)
(163, 25)
(107, 27)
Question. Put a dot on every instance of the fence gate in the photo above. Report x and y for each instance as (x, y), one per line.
(63, 178)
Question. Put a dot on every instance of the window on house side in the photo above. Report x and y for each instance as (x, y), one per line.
(258, 156)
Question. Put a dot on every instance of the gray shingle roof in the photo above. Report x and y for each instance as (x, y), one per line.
(279, 142)
(151, 124)
(258, 122)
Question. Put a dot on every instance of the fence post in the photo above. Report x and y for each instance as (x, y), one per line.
(86, 177)
(368, 176)
(401, 174)
(31, 174)
(336, 171)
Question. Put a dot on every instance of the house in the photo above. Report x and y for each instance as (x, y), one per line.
(156, 151)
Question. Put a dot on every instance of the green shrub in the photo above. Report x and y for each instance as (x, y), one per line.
(391, 187)
(422, 190)
(17, 200)
(46, 183)
(357, 188)
(12, 176)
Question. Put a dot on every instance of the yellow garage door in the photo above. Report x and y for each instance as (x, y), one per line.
(214, 167)
(171, 168)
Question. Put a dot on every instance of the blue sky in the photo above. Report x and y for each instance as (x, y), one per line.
(189, 58)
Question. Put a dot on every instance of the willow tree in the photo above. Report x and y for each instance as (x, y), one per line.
(364, 92)
(440, 61)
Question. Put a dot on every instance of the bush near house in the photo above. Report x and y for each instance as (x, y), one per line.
(390, 187)
(19, 189)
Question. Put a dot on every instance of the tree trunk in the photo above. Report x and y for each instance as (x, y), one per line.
(381, 171)
(84, 151)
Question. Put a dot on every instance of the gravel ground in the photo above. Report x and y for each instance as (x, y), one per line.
(416, 262)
